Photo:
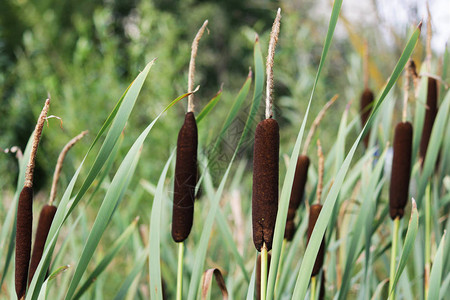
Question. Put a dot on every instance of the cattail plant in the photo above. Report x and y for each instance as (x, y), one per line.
(400, 177)
(48, 211)
(314, 212)
(265, 167)
(186, 169)
(367, 96)
(430, 116)
(24, 226)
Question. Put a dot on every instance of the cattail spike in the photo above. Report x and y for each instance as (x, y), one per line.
(191, 75)
(314, 212)
(185, 179)
(59, 164)
(45, 222)
(265, 182)
(298, 190)
(269, 64)
(401, 169)
(430, 116)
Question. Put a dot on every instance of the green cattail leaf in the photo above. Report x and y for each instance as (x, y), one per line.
(154, 235)
(43, 292)
(408, 244)
(138, 266)
(251, 286)
(106, 260)
(289, 179)
(358, 227)
(202, 245)
(328, 206)
(208, 107)
(436, 271)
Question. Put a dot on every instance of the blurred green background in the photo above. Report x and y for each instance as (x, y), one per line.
(86, 52)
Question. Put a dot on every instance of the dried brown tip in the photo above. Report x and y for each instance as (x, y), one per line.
(298, 190)
(24, 228)
(59, 164)
(258, 274)
(316, 122)
(314, 212)
(45, 221)
(269, 63)
(430, 116)
(36, 138)
(366, 104)
(401, 169)
(194, 49)
(185, 179)
(265, 182)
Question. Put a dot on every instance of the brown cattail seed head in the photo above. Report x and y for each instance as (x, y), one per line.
(365, 109)
(185, 179)
(265, 182)
(314, 211)
(45, 221)
(258, 274)
(298, 190)
(430, 116)
(23, 239)
(401, 169)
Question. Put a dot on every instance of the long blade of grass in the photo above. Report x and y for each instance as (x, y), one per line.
(409, 243)
(139, 265)
(106, 260)
(251, 286)
(154, 235)
(208, 107)
(436, 271)
(289, 179)
(328, 206)
(355, 234)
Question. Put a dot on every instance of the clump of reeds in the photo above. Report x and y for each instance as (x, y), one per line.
(301, 175)
(24, 225)
(48, 211)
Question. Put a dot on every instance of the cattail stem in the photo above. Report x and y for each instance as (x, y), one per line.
(427, 239)
(36, 138)
(313, 288)
(269, 64)
(191, 75)
(180, 271)
(321, 168)
(316, 123)
(393, 257)
(263, 271)
(405, 95)
(366, 64)
(429, 35)
(59, 164)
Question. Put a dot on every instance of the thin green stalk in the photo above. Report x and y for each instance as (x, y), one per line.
(393, 256)
(263, 271)
(313, 288)
(427, 239)
(180, 270)
(280, 265)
